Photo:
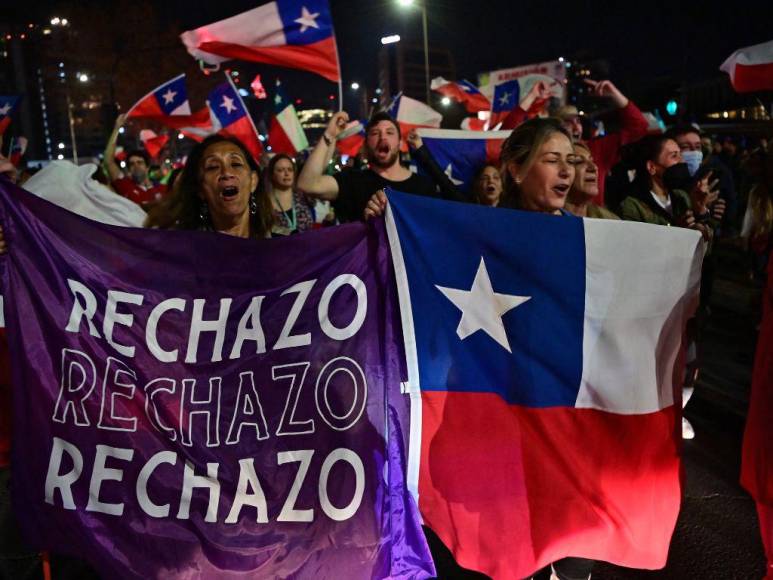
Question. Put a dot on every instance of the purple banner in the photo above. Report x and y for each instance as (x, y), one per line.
(187, 404)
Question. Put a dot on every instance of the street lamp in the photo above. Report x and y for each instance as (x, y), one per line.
(355, 86)
(423, 6)
(445, 101)
(391, 39)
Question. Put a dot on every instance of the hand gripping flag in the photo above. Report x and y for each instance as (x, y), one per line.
(751, 68)
(291, 33)
(285, 133)
(230, 116)
(462, 153)
(462, 92)
(168, 104)
(8, 104)
(209, 418)
(543, 357)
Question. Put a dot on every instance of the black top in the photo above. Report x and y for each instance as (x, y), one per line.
(356, 186)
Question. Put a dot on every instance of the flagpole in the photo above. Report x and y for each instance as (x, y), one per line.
(340, 78)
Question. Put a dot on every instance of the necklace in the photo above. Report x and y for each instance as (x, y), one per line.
(292, 218)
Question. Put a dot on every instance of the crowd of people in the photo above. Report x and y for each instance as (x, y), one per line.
(720, 187)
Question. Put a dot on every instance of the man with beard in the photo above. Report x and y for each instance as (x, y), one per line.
(351, 189)
(137, 186)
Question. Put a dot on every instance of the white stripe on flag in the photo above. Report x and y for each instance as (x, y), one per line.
(288, 120)
(261, 26)
(409, 337)
(641, 286)
(2, 312)
(461, 134)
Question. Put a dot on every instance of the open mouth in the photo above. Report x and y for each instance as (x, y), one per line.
(490, 189)
(383, 149)
(561, 189)
(229, 192)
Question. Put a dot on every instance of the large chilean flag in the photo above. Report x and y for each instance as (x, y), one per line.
(462, 153)
(291, 33)
(544, 353)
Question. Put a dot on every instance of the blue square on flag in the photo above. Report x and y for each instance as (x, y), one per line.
(171, 95)
(499, 310)
(305, 21)
(506, 96)
(226, 104)
(458, 158)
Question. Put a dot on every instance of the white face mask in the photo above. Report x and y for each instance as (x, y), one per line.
(693, 160)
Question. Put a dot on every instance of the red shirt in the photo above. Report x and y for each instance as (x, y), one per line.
(126, 187)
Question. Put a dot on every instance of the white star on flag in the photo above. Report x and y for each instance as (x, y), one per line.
(5, 108)
(228, 103)
(277, 99)
(466, 88)
(450, 173)
(307, 19)
(482, 308)
(169, 96)
(505, 98)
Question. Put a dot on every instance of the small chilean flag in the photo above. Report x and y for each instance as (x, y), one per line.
(7, 106)
(462, 153)
(285, 134)
(462, 92)
(230, 117)
(152, 142)
(751, 68)
(168, 104)
(291, 33)
(351, 139)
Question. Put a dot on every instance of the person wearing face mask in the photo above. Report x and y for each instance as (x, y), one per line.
(350, 189)
(585, 187)
(137, 186)
(697, 155)
(664, 193)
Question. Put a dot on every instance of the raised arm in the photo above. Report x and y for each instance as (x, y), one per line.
(113, 171)
(312, 181)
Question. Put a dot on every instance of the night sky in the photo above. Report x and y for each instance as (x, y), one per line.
(685, 40)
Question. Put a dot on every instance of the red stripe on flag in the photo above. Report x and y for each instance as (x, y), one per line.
(748, 78)
(493, 149)
(757, 463)
(147, 107)
(4, 122)
(278, 139)
(510, 489)
(318, 57)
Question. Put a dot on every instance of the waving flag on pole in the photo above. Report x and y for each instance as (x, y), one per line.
(291, 33)
(462, 153)
(8, 104)
(543, 355)
(412, 114)
(168, 104)
(285, 134)
(462, 92)
(751, 68)
(230, 116)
